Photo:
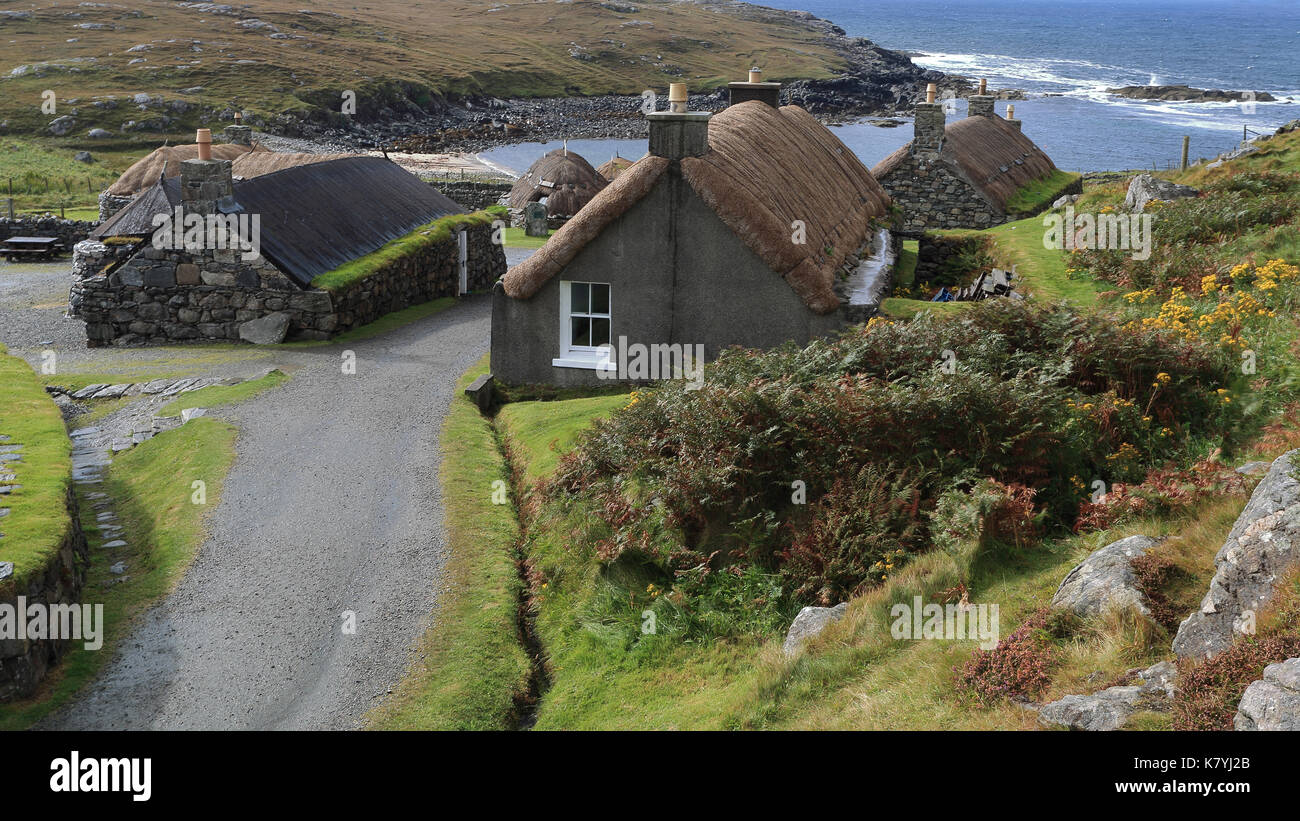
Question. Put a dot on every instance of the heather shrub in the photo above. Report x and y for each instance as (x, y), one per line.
(765, 463)
(1165, 490)
(1018, 668)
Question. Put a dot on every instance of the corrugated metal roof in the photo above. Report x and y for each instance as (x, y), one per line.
(315, 217)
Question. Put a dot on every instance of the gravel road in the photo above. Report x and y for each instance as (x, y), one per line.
(332, 505)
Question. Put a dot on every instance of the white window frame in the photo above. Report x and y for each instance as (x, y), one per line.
(582, 356)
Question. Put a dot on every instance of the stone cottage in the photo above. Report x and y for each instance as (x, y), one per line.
(165, 161)
(204, 256)
(561, 179)
(747, 227)
(967, 174)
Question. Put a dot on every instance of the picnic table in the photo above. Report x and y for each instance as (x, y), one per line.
(17, 248)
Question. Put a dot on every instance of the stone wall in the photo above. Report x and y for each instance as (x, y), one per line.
(23, 662)
(70, 232)
(110, 204)
(949, 260)
(473, 195)
(932, 196)
(418, 277)
(156, 298)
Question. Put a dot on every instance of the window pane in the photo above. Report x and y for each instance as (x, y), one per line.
(599, 299)
(599, 332)
(579, 301)
(581, 330)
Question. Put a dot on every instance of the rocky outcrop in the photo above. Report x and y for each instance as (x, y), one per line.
(1144, 188)
(1187, 94)
(810, 622)
(1104, 581)
(1263, 544)
(1110, 709)
(1273, 703)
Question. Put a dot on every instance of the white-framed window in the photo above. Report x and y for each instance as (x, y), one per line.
(586, 326)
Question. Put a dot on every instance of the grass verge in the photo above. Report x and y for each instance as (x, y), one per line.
(470, 666)
(38, 517)
(152, 489)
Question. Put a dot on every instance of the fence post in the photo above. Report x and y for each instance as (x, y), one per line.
(1186, 142)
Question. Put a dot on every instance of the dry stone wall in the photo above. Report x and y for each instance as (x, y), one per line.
(159, 297)
(24, 662)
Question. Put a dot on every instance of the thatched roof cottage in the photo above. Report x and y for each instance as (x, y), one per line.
(562, 179)
(207, 255)
(612, 167)
(976, 172)
(735, 229)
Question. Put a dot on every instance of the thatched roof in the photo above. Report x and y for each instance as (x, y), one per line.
(268, 162)
(558, 172)
(611, 168)
(166, 162)
(766, 168)
(998, 159)
(304, 230)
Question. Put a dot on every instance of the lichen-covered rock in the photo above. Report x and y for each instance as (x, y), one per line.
(1105, 581)
(1110, 709)
(1273, 703)
(1144, 188)
(1263, 544)
(266, 330)
(810, 622)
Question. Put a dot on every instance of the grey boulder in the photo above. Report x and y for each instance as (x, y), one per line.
(1111, 709)
(810, 622)
(1144, 188)
(1273, 703)
(1105, 581)
(1264, 544)
(265, 330)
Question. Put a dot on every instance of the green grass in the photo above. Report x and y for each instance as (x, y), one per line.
(38, 517)
(470, 666)
(1041, 270)
(905, 267)
(223, 394)
(516, 238)
(151, 486)
(27, 166)
(1039, 194)
(542, 431)
(426, 236)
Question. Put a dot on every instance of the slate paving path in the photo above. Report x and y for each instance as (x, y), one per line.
(332, 505)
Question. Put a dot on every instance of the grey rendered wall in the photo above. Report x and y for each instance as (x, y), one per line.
(678, 274)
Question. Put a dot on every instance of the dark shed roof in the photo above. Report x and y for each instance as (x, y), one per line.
(315, 217)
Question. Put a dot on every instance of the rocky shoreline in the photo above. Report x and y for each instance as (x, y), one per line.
(1187, 94)
(876, 82)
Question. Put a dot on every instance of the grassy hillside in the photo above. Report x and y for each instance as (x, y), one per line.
(280, 56)
(665, 557)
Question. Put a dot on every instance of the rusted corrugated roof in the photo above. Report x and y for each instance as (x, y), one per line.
(314, 217)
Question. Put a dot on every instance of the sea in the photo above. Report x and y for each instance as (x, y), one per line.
(1064, 55)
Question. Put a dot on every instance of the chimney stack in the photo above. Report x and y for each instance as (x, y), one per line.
(205, 182)
(981, 104)
(238, 133)
(755, 89)
(1011, 117)
(927, 137)
(677, 133)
